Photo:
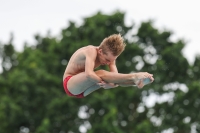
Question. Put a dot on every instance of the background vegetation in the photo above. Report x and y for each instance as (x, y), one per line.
(32, 99)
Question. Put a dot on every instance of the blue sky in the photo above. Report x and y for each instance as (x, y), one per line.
(27, 18)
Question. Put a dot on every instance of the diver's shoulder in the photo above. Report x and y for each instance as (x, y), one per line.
(91, 48)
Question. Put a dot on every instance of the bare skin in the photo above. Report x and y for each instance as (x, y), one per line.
(81, 67)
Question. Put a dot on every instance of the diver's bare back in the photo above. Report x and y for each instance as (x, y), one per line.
(76, 63)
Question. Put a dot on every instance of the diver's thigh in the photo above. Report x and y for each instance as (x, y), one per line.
(79, 83)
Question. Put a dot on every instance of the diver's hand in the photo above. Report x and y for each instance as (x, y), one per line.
(107, 85)
(143, 78)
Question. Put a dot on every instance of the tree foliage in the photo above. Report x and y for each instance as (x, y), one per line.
(32, 99)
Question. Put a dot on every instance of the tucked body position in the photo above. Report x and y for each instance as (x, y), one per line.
(81, 79)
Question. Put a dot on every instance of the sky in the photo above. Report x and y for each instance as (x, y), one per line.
(26, 18)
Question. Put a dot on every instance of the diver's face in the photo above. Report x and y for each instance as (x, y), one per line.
(106, 58)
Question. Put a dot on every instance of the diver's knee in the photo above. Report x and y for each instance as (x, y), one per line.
(101, 73)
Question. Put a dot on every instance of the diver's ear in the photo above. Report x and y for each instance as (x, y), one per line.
(100, 51)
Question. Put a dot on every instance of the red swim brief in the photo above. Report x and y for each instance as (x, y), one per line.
(67, 91)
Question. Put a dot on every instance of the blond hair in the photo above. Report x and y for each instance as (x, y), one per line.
(114, 43)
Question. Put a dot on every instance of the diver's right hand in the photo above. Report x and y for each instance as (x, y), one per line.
(107, 85)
